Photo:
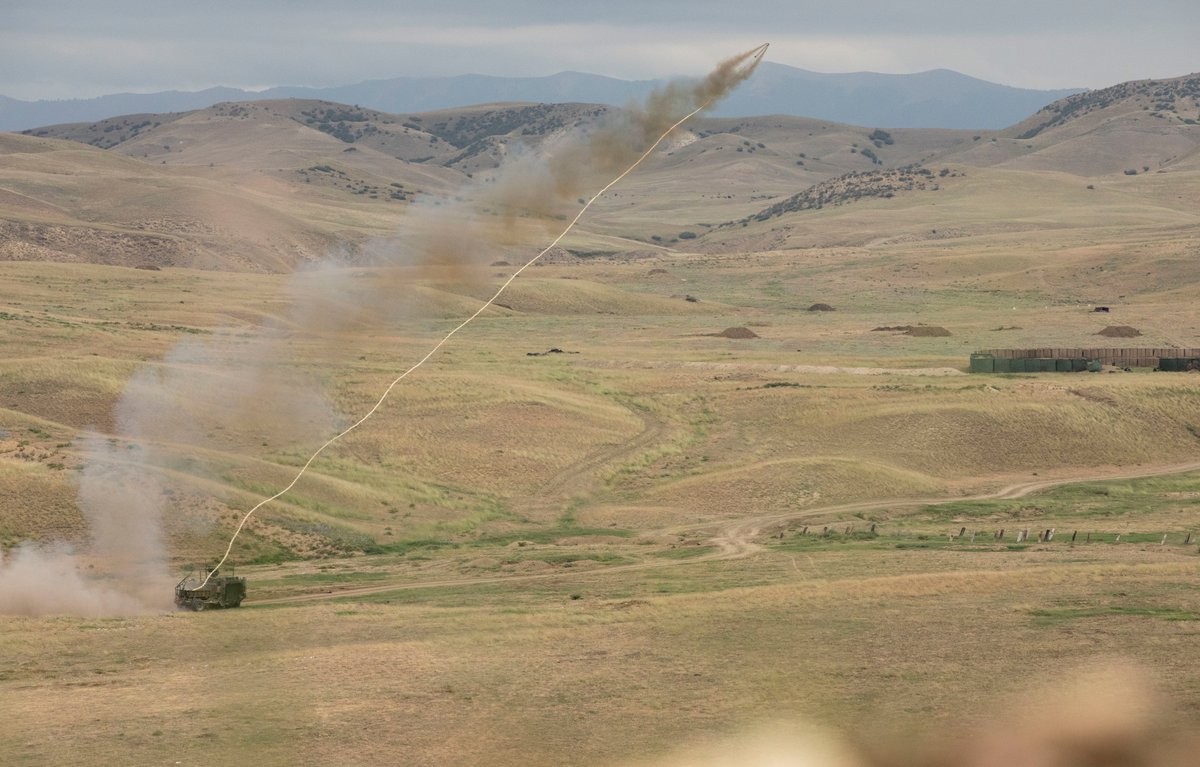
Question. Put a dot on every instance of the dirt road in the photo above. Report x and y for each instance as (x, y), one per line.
(737, 539)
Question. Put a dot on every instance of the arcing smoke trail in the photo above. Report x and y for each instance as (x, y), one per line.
(663, 103)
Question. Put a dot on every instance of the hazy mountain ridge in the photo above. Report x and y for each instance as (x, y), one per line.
(334, 176)
(938, 98)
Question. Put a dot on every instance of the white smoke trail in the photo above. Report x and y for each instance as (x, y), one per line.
(707, 92)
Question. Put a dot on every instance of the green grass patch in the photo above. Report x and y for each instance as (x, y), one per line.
(1093, 500)
(1054, 616)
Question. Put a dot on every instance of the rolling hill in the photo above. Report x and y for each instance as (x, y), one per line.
(703, 437)
(320, 176)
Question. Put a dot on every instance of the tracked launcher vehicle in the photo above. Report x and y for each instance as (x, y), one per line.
(218, 593)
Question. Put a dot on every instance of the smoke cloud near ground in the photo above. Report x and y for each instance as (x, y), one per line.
(210, 396)
(228, 393)
(122, 568)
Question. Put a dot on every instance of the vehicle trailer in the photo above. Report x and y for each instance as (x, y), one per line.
(217, 593)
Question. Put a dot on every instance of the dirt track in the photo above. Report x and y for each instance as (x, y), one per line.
(736, 539)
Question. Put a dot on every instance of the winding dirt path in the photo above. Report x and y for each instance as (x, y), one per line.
(572, 478)
(736, 539)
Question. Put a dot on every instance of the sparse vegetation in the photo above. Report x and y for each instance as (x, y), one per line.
(607, 510)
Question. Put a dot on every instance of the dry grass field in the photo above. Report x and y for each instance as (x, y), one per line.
(594, 529)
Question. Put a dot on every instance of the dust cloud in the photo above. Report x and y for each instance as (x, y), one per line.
(229, 394)
(206, 398)
(122, 569)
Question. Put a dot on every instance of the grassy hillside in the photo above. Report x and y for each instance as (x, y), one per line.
(716, 461)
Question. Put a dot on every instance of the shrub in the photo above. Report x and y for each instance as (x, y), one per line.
(881, 135)
(687, 235)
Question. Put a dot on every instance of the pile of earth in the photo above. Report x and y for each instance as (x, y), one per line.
(1120, 331)
(821, 308)
(923, 331)
(735, 333)
(927, 331)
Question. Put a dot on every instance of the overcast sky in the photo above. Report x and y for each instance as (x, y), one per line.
(75, 48)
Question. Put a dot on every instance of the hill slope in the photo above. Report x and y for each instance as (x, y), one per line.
(345, 174)
(62, 201)
(1141, 126)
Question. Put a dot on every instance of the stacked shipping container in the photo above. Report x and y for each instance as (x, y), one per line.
(1076, 359)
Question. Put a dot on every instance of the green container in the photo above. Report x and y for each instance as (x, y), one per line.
(983, 363)
(1062, 366)
(1001, 365)
(1046, 366)
(1078, 366)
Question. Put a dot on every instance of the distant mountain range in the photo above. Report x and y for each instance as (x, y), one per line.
(939, 98)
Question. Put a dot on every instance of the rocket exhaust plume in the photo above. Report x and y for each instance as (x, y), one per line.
(665, 110)
(126, 518)
(539, 187)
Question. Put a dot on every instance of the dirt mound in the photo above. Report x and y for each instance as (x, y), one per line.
(653, 272)
(1120, 331)
(821, 308)
(530, 565)
(924, 331)
(736, 333)
(927, 331)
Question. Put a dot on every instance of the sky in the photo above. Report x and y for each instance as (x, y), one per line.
(75, 49)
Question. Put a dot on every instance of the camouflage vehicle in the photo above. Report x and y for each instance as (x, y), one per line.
(219, 592)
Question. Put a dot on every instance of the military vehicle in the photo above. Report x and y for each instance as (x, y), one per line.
(217, 593)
